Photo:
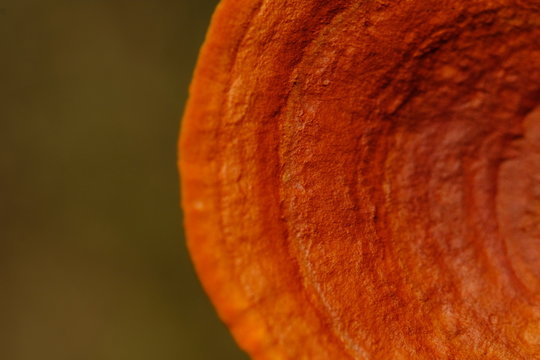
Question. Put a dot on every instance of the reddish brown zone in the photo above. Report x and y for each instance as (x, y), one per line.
(360, 178)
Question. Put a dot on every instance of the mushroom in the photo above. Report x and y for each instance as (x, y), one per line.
(361, 179)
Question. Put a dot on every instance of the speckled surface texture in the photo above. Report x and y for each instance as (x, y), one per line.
(361, 180)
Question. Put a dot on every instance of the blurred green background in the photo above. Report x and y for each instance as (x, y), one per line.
(93, 260)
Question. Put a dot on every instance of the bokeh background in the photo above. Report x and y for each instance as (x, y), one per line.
(93, 263)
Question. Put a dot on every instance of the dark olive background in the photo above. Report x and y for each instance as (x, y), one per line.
(93, 260)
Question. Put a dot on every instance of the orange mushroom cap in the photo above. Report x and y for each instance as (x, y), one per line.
(361, 179)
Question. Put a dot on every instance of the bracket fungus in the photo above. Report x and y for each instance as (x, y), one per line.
(361, 179)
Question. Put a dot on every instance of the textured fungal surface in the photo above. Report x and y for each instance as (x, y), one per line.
(361, 179)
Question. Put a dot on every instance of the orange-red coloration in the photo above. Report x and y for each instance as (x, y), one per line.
(361, 179)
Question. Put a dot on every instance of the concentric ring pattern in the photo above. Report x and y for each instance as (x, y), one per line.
(361, 179)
